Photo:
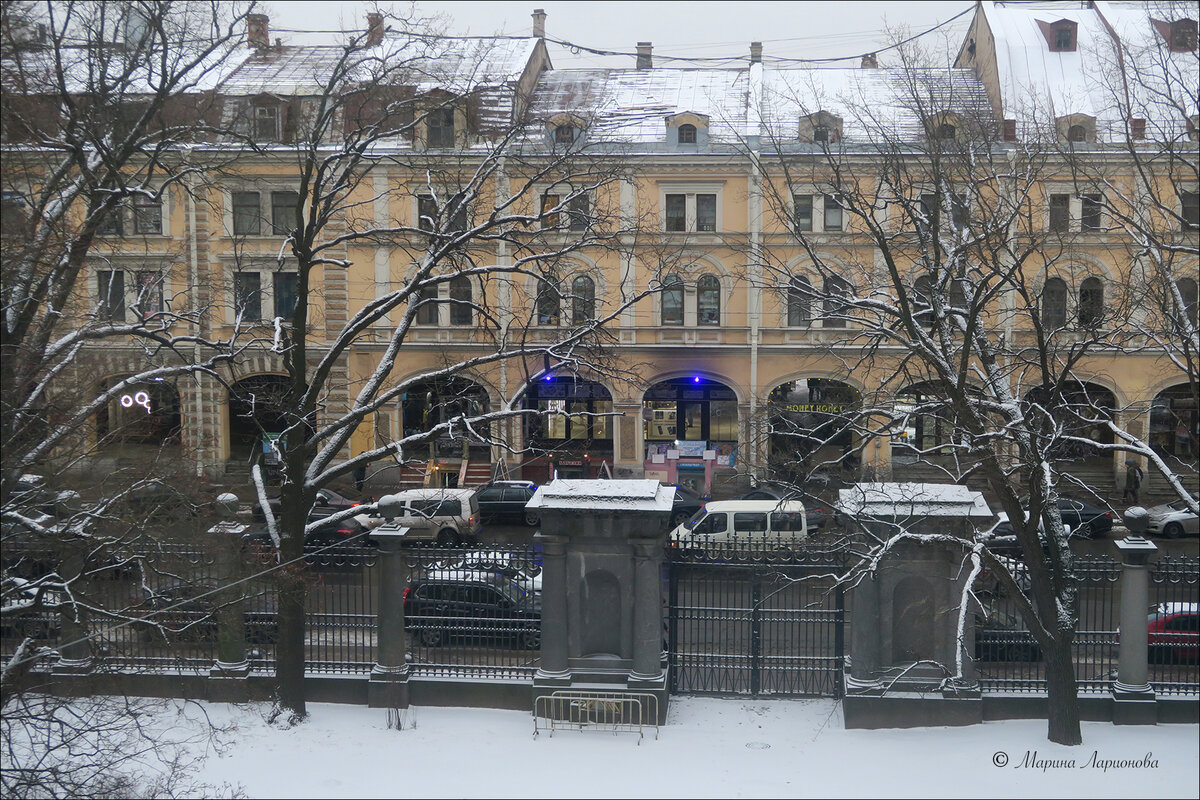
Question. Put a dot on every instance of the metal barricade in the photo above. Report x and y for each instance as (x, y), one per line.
(619, 712)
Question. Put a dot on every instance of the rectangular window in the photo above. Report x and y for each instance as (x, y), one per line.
(441, 127)
(1089, 212)
(147, 216)
(549, 201)
(114, 223)
(1190, 209)
(247, 296)
(578, 213)
(283, 212)
(266, 124)
(112, 294)
(677, 212)
(803, 215)
(426, 213)
(427, 312)
(246, 214)
(287, 293)
(833, 213)
(1063, 39)
(706, 213)
(149, 294)
(746, 521)
(1060, 212)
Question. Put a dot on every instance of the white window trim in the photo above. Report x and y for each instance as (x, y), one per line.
(266, 272)
(263, 190)
(691, 189)
(126, 212)
(1075, 210)
(690, 276)
(562, 190)
(444, 306)
(818, 197)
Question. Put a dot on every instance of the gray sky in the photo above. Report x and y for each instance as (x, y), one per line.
(698, 28)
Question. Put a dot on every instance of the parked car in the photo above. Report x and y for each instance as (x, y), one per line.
(1173, 632)
(526, 574)
(1172, 520)
(446, 517)
(350, 532)
(1002, 539)
(1084, 519)
(504, 501)
(30, 609)
(1000, 636)
(471, 604)
(752, 522)
(684, 506)
(818, 516)
(327, 502)
(182, 610)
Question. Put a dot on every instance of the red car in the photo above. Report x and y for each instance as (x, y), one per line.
(1174, 632)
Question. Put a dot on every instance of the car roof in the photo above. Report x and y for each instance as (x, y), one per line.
(755, 505)
(426, 494)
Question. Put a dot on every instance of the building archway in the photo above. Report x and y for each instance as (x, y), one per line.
(690, 427)
(809, 429)
(570, 436)
(259, 411)
(1080, 411)
(142, 419)
(1175, 428)
(426, 404)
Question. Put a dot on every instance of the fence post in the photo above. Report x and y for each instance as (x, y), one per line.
(388, 687)
(553, 669)
(227, 677)
(1133, 697)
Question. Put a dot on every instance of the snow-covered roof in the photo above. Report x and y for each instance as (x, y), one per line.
(1038, 84)
(607, 495)
(912, 500)
(34, 70)
(631, 105)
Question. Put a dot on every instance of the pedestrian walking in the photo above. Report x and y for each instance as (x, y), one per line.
(1133, 481)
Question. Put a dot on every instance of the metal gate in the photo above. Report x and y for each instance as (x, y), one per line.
(754, 625)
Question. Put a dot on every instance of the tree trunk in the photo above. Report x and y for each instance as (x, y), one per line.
(293, 593)
(1062, 706)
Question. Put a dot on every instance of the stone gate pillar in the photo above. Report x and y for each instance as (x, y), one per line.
(602, 617)
(1133, 696)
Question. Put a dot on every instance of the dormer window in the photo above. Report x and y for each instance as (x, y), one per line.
(440, 127)
(1076, 128)
(1061, 35)
(821, 134)
(266, 123)
(1076, 133)
(820, 128)
(687, 129)
(945, 132)
(687, 134)
(564, 134)
(1180, 34)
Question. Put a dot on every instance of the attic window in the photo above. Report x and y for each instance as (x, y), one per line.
(945, 132)
(1060, 35)
(1064, 39)
(564, 134)
(1183, 36)
(266, 123)
(1076, 133)
(820, 133)
(687, 134)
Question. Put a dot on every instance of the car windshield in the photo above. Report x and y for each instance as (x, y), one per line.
(1178, 505)
(699, 515)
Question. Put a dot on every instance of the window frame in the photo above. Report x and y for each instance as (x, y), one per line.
(1060, 313)
(240, 294)
(829, 306)
(1189, 202)
(108, 290)
(239, 212)
(798, 309)
(713, 304)
(675, 286)
(1089, 310)
(686, 133)
(446, 134)
(691, 206)
(1091, 213)
(274, 118)
(547, 298)
(279, 297)
(583, 304)
(143, 204)
(288, 209)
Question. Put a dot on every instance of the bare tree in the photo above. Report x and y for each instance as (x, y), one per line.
(386, 126)
(940, 306)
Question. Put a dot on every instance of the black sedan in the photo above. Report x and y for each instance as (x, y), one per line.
(345, 533)
(327, 502)
(1084, 519)
(505, 502)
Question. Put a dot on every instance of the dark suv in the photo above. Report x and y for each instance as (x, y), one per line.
(473, 606)
(505, 502)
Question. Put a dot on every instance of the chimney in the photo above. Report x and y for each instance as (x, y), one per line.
(374, 29)
(869, 61)
(1010, 130)
(539, 23)
(258, 31)
(756, 52)
(645, 59)
(1137, 128)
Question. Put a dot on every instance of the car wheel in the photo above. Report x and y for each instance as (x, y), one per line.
(531, 639)
(1173, 530)
(431, 637)
(448, 538)
(532, 519)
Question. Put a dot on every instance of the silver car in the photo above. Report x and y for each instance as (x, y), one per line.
(1173, 520)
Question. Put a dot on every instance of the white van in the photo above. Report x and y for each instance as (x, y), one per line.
(449, 517)
(753, 522)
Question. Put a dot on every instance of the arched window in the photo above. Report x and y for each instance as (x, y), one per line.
(583, 300)
(687, 134)
(1091, 302)
(708, 300)
(549, 301)
(672, 300)
(564, 134)
(460, 301)
(834, 308)
(799, 302)
(1054, 303)
(946, 132)
(1187, 293)
(1076, 133)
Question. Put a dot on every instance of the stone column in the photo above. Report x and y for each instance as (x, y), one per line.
(647, 612)
(1133, 697)
(554, 666)
(227, 677)
(388, 686)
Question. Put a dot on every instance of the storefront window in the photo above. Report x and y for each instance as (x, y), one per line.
(690, 410)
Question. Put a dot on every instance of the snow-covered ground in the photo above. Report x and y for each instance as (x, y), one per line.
(709, 748)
